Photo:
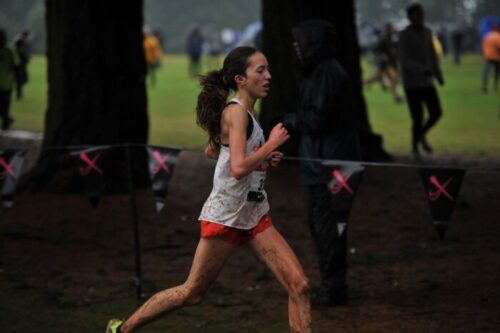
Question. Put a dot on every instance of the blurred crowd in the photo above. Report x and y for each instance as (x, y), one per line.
(379, 45)
(204, 46)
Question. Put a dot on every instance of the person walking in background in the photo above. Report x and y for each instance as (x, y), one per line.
(153, 54)
(23, 48)
(160, 37)
(8, 64)
(419, 66)
(491, 56)
(214, 50)
(442, 36)
(457, 38)
(194, 50)
(386, 61)
(326, 125)
(236, 211)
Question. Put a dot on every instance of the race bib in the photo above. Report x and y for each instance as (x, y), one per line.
(257, 180)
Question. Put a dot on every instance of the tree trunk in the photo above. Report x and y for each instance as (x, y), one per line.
(96, 76)
(279, 17)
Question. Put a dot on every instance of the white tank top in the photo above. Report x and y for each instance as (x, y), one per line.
(238, 203)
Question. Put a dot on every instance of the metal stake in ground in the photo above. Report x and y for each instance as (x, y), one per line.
(135, 222)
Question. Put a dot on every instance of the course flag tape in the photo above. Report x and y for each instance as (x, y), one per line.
(344, 180)
(161, 168)
(91, 164)
(11, 162)
(441, 188)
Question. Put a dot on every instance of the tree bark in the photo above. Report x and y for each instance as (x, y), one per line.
(96, 76)
(97, 93)
(279, 17)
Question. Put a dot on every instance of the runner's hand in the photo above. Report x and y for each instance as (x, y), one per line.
(274, 158)
(278, 135)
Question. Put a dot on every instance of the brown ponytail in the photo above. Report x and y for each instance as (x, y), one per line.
(216, 86)
(211, 102)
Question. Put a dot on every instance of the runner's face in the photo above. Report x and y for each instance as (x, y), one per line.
(258, 78)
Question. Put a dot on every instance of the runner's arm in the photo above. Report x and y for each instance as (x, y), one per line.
(242, 165)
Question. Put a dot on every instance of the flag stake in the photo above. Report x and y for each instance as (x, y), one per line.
(135, 222)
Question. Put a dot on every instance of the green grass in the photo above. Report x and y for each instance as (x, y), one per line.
(470, 122)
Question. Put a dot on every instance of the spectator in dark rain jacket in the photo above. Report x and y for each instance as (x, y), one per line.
(326, 124)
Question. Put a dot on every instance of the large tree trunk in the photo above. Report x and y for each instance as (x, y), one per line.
(279, 17)
(96, 74)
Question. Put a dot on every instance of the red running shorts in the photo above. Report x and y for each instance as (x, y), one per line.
(233, 235)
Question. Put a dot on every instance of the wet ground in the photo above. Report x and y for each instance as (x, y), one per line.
(66, 266)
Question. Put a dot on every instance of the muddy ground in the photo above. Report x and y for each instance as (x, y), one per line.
(67, 267)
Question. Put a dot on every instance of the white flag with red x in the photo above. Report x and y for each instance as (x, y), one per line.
(11, 162)
(442, 186)
(161, 168)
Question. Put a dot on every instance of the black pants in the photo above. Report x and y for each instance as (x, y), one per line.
(5, 97)
(331, 246)
(417, 97)
(488, 64)
(21, 79)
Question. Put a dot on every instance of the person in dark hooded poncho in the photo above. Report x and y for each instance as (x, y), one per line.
(326, 124)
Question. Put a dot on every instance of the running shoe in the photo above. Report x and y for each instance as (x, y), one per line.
(114, 326)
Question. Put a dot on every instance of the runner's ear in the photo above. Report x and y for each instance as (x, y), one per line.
(240, 80)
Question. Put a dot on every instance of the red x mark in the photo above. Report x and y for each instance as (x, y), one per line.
(441, 189)
(91, 164)
(161, 163)
(336, 188)
(7, 168)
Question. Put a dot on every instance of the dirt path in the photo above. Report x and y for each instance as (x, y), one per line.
(71, 263)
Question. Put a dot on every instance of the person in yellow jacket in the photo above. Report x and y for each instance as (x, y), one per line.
(438, 47)
(153, 54)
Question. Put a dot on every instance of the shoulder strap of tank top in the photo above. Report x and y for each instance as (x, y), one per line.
(250, 119)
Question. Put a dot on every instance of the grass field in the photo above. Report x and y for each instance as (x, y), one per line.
(470, 124)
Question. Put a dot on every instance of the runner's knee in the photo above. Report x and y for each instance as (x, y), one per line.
(299, 285)
(194, 296)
